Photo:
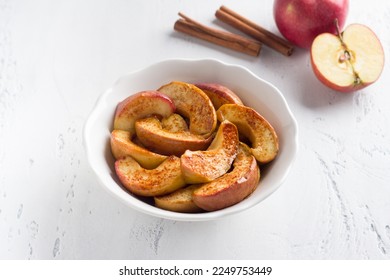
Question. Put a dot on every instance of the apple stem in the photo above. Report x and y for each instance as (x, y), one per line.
(336, 23)
(347, 54)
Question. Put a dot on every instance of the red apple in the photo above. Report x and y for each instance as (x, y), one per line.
(349, 61)
(300, 21)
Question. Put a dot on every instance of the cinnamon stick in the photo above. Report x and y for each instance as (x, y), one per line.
(252, 29)
(218, 37)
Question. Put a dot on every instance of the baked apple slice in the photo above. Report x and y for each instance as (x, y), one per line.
(205, 166)
(152, 135)
(194, 104)
(122, 146)
(140, 105)
(179, 201)
(232, 187)
(263, 138)
(164, 179)
(219, 94)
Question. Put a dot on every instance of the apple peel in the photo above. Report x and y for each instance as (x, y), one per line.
(219, 94)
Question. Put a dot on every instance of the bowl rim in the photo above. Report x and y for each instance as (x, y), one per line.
(161, 213)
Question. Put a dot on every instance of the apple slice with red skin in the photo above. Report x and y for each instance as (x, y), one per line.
(141, 105)
(194, 104)
(252, 125)
(164, 179)
(205, 166)
(152, 135)
(232, 187)
(219, 94)
(122, 146)
(350, 61)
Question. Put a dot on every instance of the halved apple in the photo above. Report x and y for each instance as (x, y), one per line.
(151, 134)
(194, 104)
(179, 200)
(232, 187)
(140, 105)
(256, 128)
(122, 146)
(205, 166)
(219, 94)
(164, 179)
(350, 61)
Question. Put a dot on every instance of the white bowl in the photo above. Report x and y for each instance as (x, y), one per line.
(255, 92)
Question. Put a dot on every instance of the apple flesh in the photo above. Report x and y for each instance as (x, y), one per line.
(179, 200)
(140, 105)
(174, 123)
(300, 21)
(350, 61)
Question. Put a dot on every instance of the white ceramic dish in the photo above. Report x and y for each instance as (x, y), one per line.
(255, 92)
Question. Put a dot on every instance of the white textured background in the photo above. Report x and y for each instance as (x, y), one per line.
(57, 57)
